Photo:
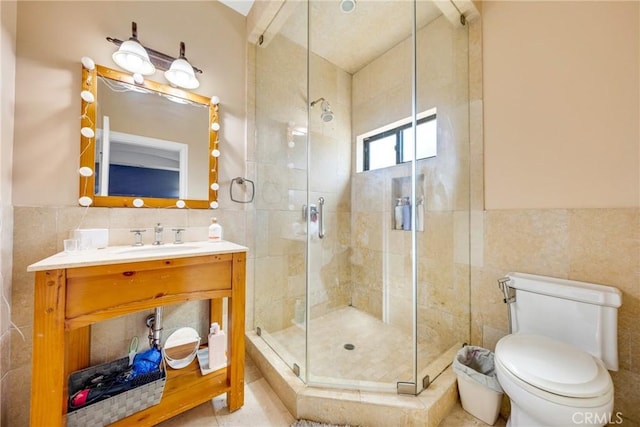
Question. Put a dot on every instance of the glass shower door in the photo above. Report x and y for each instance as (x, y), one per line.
(281, 185)
(362, 192)
(442, 191)
(360, 297)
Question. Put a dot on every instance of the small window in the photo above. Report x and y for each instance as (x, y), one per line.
(394, 146)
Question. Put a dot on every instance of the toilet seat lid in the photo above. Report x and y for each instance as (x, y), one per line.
(552, 365)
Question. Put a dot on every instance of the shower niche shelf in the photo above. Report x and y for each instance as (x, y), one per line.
(401, 189)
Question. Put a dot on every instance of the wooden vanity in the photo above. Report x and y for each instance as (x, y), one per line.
(74, 291)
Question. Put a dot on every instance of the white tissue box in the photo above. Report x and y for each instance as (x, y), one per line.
(92, 238)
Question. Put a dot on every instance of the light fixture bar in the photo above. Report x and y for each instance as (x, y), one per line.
(160, 60)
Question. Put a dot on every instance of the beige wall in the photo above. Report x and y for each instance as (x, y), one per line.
(7, 97)
(48, 83)
(51, 39)
(562, 137)
(561, 104)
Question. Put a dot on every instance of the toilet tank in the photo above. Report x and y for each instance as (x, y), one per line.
(578, 313)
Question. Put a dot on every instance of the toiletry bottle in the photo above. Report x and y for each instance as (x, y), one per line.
(217, 347)
(215, 231)
(406, 214)
(397, 215)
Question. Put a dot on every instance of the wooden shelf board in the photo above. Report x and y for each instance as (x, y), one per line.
(185, 388)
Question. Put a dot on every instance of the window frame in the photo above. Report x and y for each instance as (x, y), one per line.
(395, 129)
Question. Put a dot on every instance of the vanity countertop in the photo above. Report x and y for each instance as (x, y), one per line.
(122, 254)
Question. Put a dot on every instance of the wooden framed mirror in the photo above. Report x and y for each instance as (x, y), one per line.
(146, 145)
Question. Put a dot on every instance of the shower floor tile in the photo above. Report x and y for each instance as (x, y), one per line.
(381, 353)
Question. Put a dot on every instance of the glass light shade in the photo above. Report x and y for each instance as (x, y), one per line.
(214, 205)
(87, 96)
(181, 74)
(138, 203)
(85, 201)
(137, 78)
(215, 153)
(215, 126)
(85, 171)
(88, 63)
(347, 6)
(134, 58)
(215, 100)
(180, 204)
(87, 132)
(215, 186)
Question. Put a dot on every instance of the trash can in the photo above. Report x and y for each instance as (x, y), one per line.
(480, 392)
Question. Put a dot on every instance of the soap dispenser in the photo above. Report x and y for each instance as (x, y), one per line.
(215, 231)
(217, 347)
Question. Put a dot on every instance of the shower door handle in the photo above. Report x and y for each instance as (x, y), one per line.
(321, 217)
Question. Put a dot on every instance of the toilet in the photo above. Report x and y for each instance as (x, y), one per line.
(563, 339)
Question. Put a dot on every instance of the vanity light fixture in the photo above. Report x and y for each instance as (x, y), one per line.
(132, 56)
(87, 96)
(181, 73)
(135, 53)
(85, 171)
(85, 201)
(87, 132)
(347, 6)
(88, 63)
(138, 78)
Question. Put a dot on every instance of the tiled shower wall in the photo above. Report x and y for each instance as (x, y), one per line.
(381, 256)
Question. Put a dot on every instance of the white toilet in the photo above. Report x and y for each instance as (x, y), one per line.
(564, 337)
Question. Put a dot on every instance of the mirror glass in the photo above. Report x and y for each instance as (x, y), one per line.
(181, 347)
(151, 142)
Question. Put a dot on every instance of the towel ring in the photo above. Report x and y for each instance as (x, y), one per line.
(242, 181)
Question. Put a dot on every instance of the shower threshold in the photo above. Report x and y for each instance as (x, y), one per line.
(323, 402)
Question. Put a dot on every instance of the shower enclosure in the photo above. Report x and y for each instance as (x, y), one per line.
(362, 247)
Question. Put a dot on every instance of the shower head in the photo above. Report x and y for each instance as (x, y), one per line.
(327, 114)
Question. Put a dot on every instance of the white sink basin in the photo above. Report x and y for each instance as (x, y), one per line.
(158, 249)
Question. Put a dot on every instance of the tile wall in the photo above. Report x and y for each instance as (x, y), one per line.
(593, 245)
(39, 232)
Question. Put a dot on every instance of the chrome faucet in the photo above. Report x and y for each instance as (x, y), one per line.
(138, 237)
(178, 236)
(158, 229)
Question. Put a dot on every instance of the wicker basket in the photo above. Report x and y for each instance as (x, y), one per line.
(116, 407)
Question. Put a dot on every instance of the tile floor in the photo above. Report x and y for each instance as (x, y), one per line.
(376, 345)
(262, 408)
